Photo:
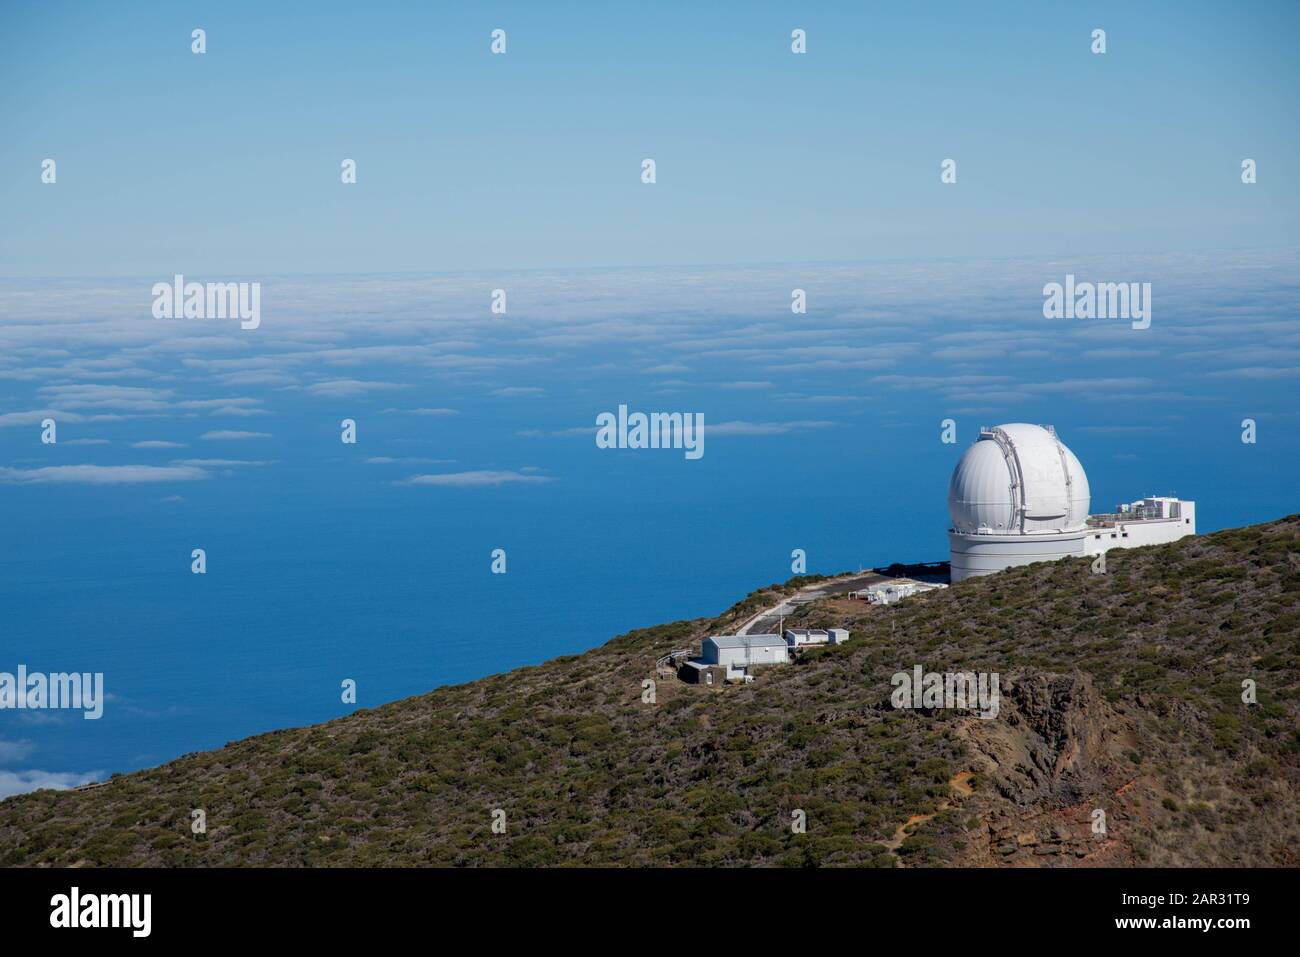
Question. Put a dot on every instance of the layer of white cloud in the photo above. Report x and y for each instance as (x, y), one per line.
(345, 388)
(474, 479)
(232, 435)
(23, 782)
(764, 428)
(101, 474)
(219, 463)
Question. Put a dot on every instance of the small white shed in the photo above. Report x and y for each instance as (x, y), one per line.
(806, 637)
(796, 638)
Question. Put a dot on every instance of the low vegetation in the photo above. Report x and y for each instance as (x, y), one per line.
(1127, 697)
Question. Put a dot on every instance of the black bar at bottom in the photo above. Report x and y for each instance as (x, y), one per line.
(332, 906)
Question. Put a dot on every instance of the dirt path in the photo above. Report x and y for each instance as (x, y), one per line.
(960, 784)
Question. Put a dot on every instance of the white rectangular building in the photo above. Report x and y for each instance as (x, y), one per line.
(890, 592)
(806, 637)
(796, 638)
(737, 653)
(1149, 521)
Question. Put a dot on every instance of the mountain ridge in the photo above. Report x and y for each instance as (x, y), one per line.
(1122, 693)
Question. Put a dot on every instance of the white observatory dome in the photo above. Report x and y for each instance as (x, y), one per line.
(1018, 479)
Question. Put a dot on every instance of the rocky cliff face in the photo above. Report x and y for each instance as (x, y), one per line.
(1055, 742)
(1052, 760)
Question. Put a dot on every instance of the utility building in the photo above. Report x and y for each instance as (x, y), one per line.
(796, 638)
(731, 656)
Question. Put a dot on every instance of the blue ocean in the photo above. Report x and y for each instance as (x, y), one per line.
(372, 561)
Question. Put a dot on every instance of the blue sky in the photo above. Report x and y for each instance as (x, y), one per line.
(230, 161)
(775, 172)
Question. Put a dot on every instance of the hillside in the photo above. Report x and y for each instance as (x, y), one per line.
(1121, 692)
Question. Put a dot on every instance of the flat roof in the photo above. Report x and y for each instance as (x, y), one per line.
(1127, 518)
(743, 641)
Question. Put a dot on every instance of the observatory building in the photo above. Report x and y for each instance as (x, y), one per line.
(1018, 496)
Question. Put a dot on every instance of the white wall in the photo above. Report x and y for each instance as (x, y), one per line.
(973, 555)
(1137, 534)
(735, 658)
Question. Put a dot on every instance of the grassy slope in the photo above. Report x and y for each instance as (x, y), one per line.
(589, 774)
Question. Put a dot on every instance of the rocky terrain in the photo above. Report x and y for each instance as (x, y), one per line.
(1122, 738)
